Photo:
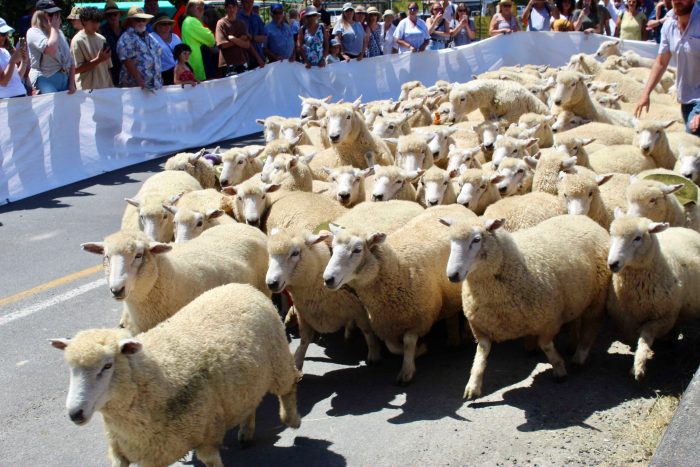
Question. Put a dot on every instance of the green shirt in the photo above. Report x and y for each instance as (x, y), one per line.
(195, 34)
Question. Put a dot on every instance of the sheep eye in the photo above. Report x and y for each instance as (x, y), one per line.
(262, 197)
(347, 117)
(139, 255)
(239, 198)
(638, 238)
(652, 201)
(514, 151)
(520, 171)
(199, 224)
(445, 183)
(295, 253)
(398, 182)
(565, 195)
(476, 240)
(357, 251)
(240, 162)
(165, 216)
(391, 127)
(482, 186)
(105, 368)
(462, 99)
(590, 194)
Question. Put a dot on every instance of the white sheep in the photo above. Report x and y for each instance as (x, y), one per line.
(688, 163)
(291, 172)
(407, 87)
(439, 142)
(575, 146)
(296, 132)
(604, 133)
(197, 211)
(195, 165)
(239, 164)
(572, 94)
(373, 109)
(397, 278)
(185, 383)
(547, 169)
(567, 120)
(495, 98)
(448, 116)
(271, 127)
(542, 123)
(610, 101)
(145, 210)
(529, 283)
(525, 211)
(436, 187)
(656, 201)
(391, 182)
(417, 112)
(391, 125)
(457, 157)
(506, 146)
(154, 282)
(348, 184)
(413, 152)
(515, 177)
(477, 189)
(580, 194)
(656, 276)
(611, 48)
(312, 108)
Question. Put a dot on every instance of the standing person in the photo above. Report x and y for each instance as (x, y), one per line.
(163, 34)
(25, 22)
(52, 66)
(373, 32)
(312, 41)
(662, 9)
(233, 41)
(411, 34)
(350, 33)
(13, 65)
(566, 10)
(74, 18)
(280, 41)
(334, 53)
(463, 31)
(538, 14)
(179, 16)
(112, 31)
(139, 53)
(325, 16)
(91, 53)
(679, 38)
(196, 35)
(256, 30)
(294, 21)
(449, 11)
(611, 13)
(388, 28)
(150, 7)
(183, 73)
(438, 28)
(586, 17)
(632, 23)
(504, 22)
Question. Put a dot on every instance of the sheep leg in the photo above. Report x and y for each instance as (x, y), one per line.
(476, 377)
(288, 408)
(247, 429)
(394, 346)
(588, 331)
(374, 346)
(349, 328)
(115, 456)
(547, 346)
(648, 332)
(210, 456)
(453, 337)
(306, 334)
(408, 369)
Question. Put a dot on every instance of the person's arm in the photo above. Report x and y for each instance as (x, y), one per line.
(606, 20)
(71, 80)
(645, 33)
(365, 43)
(617, 26)
(54, 36)
(260, 38)
(657, 71)
(202, 34)
(426, 36)
(492, 26)
(134, 72)
(470, 32)
(300, 48)
(83, 63)
(253, 51)
(325, 46)
(527, 11)
(224, 41)
(578, 20)
(6, 74)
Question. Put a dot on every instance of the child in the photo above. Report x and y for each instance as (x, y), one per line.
(183, 73)
(334, 55)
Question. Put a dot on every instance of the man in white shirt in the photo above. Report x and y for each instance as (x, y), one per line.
(449, 11)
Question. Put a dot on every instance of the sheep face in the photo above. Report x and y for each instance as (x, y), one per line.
(339, 122)
(350, 256)
(566, 120)
(407, 87)
(457, 157)
(631, 240)
(608, 48)
(184, 162)
(251, 200)
(389, 180)
(285, 252)
(94, 357)
(506, 146)
(472, 185)
(271, 128)
(310, 106)
(689, 160)
(435, 182)
(235, 161)
(573, 146)
(389, 125)
(411, 106)
(154, 220)
(127, 260)
(439, 142)
(469, 246)
(487, 132)
(462, 102)
(513, 174)
(281, 167)
(189, 223)
(347, 181)
(570, 89)
(292, 129)
(447, 113)
(650, 134)
(648, 198)
(576, 193)
(413, 152)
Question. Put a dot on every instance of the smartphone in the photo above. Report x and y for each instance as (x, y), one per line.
(105, 47)
(22, 43)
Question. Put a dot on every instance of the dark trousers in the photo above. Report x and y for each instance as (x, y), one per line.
(168, 77)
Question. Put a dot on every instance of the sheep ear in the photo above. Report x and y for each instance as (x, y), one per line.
(214, 213)
(531, 141)
(414, 175)
(367, 172)
(496, 178)
(656, 227)
(157, 248)
(375, 239)
(59, 344)
(668, 189)
(192, 158)
(618, 212)
(229, 190)
(254, 151)
(356, 103)
(294, 141)
(170, 208)
(304, 121)
(260, 121)
(393, 140)
(562, 175)
(667, 123)
(452, 173)
(301, 98)
(427, 137)
(569, 163)
(130, 346)
(133, 201)
(292, 162)
(327, 170)
(531, 162)
(335, 228)
(446, 221)
(587, 141)
(176, 197)
(602, 179)
(309, 157)
(313, 239)
(97, 248)
(316, 123)
(326, 99)
(494, 224)
(271, 187)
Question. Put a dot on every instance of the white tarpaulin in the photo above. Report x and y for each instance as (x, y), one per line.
(52, 140)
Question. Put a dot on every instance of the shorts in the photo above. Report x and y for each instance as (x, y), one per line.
(55, 83)
(689, 111)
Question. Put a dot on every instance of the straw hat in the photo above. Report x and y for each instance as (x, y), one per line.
(360, 9)
(136, 12)
(373, 11)
(162, 18)
(389, 13)
(74, 13)
(505, 2)
(112, 7)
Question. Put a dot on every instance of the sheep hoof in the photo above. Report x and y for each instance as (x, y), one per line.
(560, 378)
(639, 373)
(404, 378)
(472, 392)
(293, 422)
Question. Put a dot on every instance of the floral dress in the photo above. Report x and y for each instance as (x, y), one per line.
(374, 44)
(313, 45)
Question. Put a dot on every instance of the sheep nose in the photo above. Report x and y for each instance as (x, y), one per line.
(334, 138)
(614, 266)
(688, 175)
(502, 189)
(344, 196)
(454, 277)
(488, 146)
(224, 182)
(329, 281)
(273, 285)
(377, 197)
(432, 202)
(554, 130)
(117, 293)
(77, 417)
(557, 101)
(436, 153)
(254, 221)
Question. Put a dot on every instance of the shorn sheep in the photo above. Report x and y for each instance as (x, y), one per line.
(195, 165)
(397, 277)
(183, 384)
(529, 283)
(656, 276)
(495, 99)
(154, 282)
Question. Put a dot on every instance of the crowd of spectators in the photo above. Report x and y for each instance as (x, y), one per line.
(145, 48)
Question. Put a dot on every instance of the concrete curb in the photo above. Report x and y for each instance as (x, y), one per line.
(680, 445)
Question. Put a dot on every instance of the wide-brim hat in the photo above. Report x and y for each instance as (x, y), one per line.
(4, 28)
(348, 6)
(505, 2)
(74, 13)
(136, 12)
(389, 13)
(310, 11)
(47, 5)
(360, 9)
(373, 11)
(111, 7)
(161, 18)
(334, 42)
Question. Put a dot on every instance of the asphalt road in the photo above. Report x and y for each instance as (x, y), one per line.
(352, 414)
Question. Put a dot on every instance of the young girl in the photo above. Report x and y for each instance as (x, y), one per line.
(183, 73)
(334, 55)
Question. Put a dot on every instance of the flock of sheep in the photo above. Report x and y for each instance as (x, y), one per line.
(528, 199)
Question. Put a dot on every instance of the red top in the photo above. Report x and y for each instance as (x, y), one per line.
(186, 75)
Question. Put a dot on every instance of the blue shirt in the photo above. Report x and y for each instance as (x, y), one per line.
(256, 27)
(280, 40)
(353, 38)
(686, 48)
(167, 60)
(414, 34)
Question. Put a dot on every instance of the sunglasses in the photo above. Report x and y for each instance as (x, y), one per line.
(506, 5)
(415, 8)
(459, 9)
(438, 10)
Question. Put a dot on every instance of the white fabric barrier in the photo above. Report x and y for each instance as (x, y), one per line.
(52, 140)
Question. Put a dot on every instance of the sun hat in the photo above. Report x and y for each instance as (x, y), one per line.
(335, 42)
(348, 6)
(74, 13)
(136, 12)
(389, 13)
(360, 9)
(47, 5)
(162, 18)
(4, 28)
(373, 11)
(112, 7)
(310, 11)
(276, 6)
(505, 2)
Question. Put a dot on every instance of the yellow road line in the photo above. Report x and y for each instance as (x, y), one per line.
(50, 285)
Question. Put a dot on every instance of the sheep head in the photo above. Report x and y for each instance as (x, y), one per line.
(352, 257)
(472, 184)
(650, 199)
(435, 182)
(651, 133)
(234, 163)
(251, 199)
(311, 105)
(689, 159)
(285, 251)
(342, 122)
(271, 127)
(631, 240)
(472, 247)
(348, 183)
(570, 89)
(458, 157)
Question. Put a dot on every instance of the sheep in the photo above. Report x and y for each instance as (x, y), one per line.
(418, 114)
(183, 384)
(610, 48)
(154, 280)
(541, 91)
(567, 120)
(292, 173)
(271, 127)
(572, 94)
(611, 101)
(351, 141)
(515, 177)
(655, 201)
(656, 275)
(296, 262)
(439, 142)
(198, 211)
(348, 184)
(391, 125)
(629, 87)
(487, 132)
(448, 116)
(525, 211)
(407, 87)
(573, 145)
(623, 158)
(457, 157)
(604, 133)
(413, 153)
(688, 163)
(529, 283)
(391, 182)
(477, 189)
(379, 217)
(372, 110)
(547, 169)
(580, 194)
(239, 164)
(436, 187)
(400, 270)
(145, 210)
(195, 165)
(495, 98)
(654, 141)
(544, 133)
(312, 108)
(294, 130)
(506, 146)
